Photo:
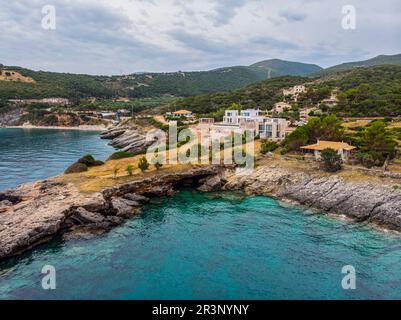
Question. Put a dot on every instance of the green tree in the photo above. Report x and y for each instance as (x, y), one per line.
(268, 146)
(378, 143)
(143, 164)
(332, 160)
(331, 128)
(296, 139)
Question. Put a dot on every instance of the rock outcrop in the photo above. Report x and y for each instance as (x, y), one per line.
(36, 212)
(362, 201)
(128, 139)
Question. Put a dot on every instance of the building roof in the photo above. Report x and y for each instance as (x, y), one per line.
(182, 112)
(321, 145)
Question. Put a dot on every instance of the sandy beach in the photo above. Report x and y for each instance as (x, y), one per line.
(81, 128)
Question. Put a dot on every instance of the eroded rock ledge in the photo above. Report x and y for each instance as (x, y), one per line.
(37, 212)
(362, 201)
(128, 139)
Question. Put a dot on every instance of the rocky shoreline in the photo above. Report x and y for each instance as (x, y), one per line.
(127, 138)
(37, 212)
(361, 201)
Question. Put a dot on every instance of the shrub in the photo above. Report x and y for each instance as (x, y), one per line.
(143, 164)
(76, 167)
(130, 169)
(89, 161)
(332, 160)
(121, 155)
(268, 146)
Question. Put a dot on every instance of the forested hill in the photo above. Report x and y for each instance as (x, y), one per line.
(370, 91)
(376, 61)
(53, 84)
(260, 95)
(180, 84)
(277, 68)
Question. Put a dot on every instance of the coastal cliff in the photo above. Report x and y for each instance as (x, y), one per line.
(35, 213)
(363, 200)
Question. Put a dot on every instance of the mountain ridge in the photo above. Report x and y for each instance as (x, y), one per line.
(143, 85)
(375, 61)
(176, 84)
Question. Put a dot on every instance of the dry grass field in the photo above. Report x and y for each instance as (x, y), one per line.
(9, 75)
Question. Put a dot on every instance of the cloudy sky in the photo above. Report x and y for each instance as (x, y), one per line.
(125, 36)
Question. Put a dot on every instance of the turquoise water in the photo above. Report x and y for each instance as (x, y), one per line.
(215, 246)
(33, 154)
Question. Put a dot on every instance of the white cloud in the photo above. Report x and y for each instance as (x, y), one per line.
(122, 36)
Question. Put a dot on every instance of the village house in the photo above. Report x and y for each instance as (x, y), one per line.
(295, 90)
(280, 107)
(331, 102)
(304, 114)
(183, 113)
(342, 148)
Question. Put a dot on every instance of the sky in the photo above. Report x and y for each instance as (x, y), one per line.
(126, 36)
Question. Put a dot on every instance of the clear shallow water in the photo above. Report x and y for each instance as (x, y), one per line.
(211, 246)
(33, 154)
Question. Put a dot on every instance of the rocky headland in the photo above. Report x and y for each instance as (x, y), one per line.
(35, 213)
(363, 201)
(127, 138)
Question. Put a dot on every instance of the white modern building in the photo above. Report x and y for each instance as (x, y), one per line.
(250, 119)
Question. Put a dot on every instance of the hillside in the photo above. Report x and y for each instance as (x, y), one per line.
(371, 91)
(53, 84)
(278, 67)
(262, 94)
(180, 84)
(376, 61)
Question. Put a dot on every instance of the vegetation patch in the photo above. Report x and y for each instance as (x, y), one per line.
(121, 155)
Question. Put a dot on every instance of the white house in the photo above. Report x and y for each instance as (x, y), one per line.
(251, 119)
